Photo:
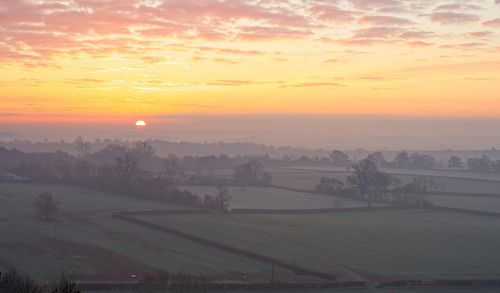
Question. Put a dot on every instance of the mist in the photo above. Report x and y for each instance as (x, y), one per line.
(310, 131)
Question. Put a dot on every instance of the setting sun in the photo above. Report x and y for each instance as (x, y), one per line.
(140, 123)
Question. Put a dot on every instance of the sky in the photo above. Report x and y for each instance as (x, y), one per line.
(111, 62)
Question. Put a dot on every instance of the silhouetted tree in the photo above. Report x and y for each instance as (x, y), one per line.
(479, 164)
(369, 180)
(172, 167)
(252, 173)
(126, 166)
(222, 199)
(66, 284)
(144, 147)
(82, 147)
(378, 158)
(455, 163)
(14, 282)
(330, 186)
(46, 206)
(339, 158)
(402, 160)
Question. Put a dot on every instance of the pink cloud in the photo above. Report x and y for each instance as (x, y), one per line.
(384, 20)
(492, 23)
(453, 17)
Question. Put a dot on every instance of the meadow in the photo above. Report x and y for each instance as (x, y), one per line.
(307, 179)
(375, 244)
(274, 198)
(87, 242)
(474, 203)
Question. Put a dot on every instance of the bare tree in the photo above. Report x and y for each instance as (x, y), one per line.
(144, 147)
(370, 182)
(223, 197)
(46, 206)
(82, 147)
(126, 166)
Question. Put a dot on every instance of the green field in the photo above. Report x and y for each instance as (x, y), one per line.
(94, 246)
(307, 180)
(274, 198)
(377, 244)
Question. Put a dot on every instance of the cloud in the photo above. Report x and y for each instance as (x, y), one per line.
(384, 20)
(316, 84)
(453, 17)
(495, 23)
(33, 32)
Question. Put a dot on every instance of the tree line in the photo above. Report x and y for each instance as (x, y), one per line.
(125, 171)
(415, 160)
(367, 182)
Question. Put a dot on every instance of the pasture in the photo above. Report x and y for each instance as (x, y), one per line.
(275, 198)
(374, 245)
(87, 242)
(412, 172)
(474, 203)
(307, 179)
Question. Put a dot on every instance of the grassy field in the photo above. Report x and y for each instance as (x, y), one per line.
(412, 172)
(88, 242)
(307, 180)
(378, 244)
(274, 198)
(474, 203)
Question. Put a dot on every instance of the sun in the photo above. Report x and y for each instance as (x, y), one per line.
(140, 124)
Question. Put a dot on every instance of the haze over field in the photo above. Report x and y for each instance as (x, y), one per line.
(311, 131)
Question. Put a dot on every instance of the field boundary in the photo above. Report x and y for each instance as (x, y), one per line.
(439, 193)
(393, 173)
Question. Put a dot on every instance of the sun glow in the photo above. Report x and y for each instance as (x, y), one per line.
(140, 124)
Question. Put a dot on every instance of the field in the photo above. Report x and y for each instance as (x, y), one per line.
(88, 242)
(274, 198)
(375, 245)
(370, 245)
(307, 180)
(475, 203)
(412, 172)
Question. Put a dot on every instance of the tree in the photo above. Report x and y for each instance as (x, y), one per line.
(339, 158)
(378, 158)
(402, 160)
(252, 173)
(46, 206)
(82, 147)
(455, 163)
(172, 167)
(330, 186)
(420, 188)
(479, 164)
(222, 198)
(422, 161)
(144, 147)
(126, 166)
(370, 182)
(14, 282)
(66, 285)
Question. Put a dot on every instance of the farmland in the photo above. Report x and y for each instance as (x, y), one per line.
(474, 203)
(307, 180)
(274, 198)
(88, 242)
(376, 245)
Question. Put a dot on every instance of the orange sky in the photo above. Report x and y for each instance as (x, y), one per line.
(89, 60)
